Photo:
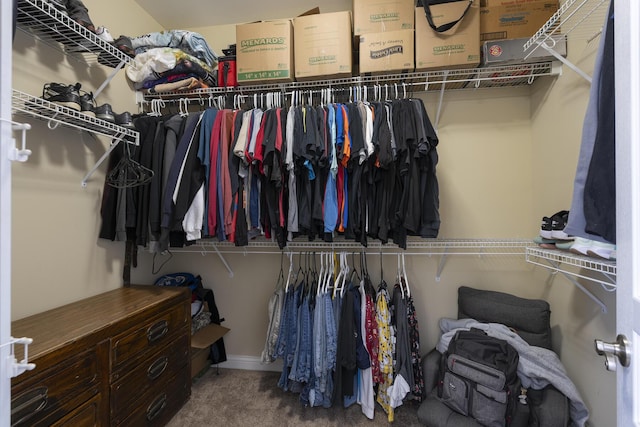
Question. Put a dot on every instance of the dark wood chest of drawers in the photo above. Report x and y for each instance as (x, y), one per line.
(116, 359)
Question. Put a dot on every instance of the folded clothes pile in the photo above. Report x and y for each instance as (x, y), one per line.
(169, 61)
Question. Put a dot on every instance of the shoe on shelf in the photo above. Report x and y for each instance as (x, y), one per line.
(602, 250)
(558, 223)
(88, 104)
(564, 245)
(124, 120)
(105, 112)
(104, 34)
(66, 95)
(580, 245)
(593, 248)
(545, 227)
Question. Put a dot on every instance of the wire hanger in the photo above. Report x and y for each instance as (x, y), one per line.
(128, 173)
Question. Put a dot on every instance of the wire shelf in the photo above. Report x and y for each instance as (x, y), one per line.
(55, 114)
(567, 258)
(425, 246)
(54, 28)
(582, 18)
(392, 85)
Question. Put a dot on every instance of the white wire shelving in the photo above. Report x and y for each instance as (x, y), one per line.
(582, 19)
(574, 267)
(55, 115)
(415, 247)
(52, 26)
(389, 85)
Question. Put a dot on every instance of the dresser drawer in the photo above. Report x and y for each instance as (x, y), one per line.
(157, 408)
(149, 336)
(57, 390)
(145, 378)
(87, 415)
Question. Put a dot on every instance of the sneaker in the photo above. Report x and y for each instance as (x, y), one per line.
(581, 245)
(104, 34)
(602, 250)
(88, 104)
(124, 120)
(545, 227)
(105, 112)
(558, 223)
(66, 95)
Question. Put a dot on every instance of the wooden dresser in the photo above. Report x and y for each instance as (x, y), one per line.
(118, 358)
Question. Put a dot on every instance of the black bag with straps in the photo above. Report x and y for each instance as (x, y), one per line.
(444, 27)
(478, 378)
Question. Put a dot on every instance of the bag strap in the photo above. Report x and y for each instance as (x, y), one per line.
(444, 27)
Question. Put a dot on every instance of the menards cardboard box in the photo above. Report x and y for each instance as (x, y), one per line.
(512, 19)
(322, 45)
(376, 16)
(264, 52)
(388, 51)
(458, 47)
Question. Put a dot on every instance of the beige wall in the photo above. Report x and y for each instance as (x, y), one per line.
(507, 157)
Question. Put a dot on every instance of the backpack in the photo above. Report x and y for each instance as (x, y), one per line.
(179, 279)
(478, 378)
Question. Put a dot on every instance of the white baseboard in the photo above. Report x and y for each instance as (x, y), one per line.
(249, 363)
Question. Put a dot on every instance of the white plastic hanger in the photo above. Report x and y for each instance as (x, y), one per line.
(320, 275)
(406, 280)
(399, 278)
(290, 256)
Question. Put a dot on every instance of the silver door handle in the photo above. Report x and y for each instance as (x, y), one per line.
(614, 352)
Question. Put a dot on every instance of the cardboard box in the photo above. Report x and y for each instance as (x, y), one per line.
(385, 52)
(508, 52)
(378, 16)
(512, 19)
(200, 343)
(458, 47)
(322, 45)
(265, 52)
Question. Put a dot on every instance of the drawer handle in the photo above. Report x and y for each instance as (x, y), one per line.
(156, 407)
(157, 330)
(157, 368)
(28, 404)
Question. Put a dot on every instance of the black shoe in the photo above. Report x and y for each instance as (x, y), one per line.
(124, 120)
(69, 96)
(88, 104)
(105, 112)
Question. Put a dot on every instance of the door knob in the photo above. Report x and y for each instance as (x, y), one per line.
(614, 352)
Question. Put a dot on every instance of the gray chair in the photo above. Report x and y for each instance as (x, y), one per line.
(531, 320)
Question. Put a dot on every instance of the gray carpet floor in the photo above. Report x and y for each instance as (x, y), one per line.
(252, 398)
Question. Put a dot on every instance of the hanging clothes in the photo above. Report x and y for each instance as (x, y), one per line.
(386, 351)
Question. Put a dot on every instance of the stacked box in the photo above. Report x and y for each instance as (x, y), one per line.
(511, 19)
(386, 52)
(459, 47)
(382, 15)
(265, 52)
(323, 45)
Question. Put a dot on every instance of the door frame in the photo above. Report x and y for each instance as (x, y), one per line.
(627, 80)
